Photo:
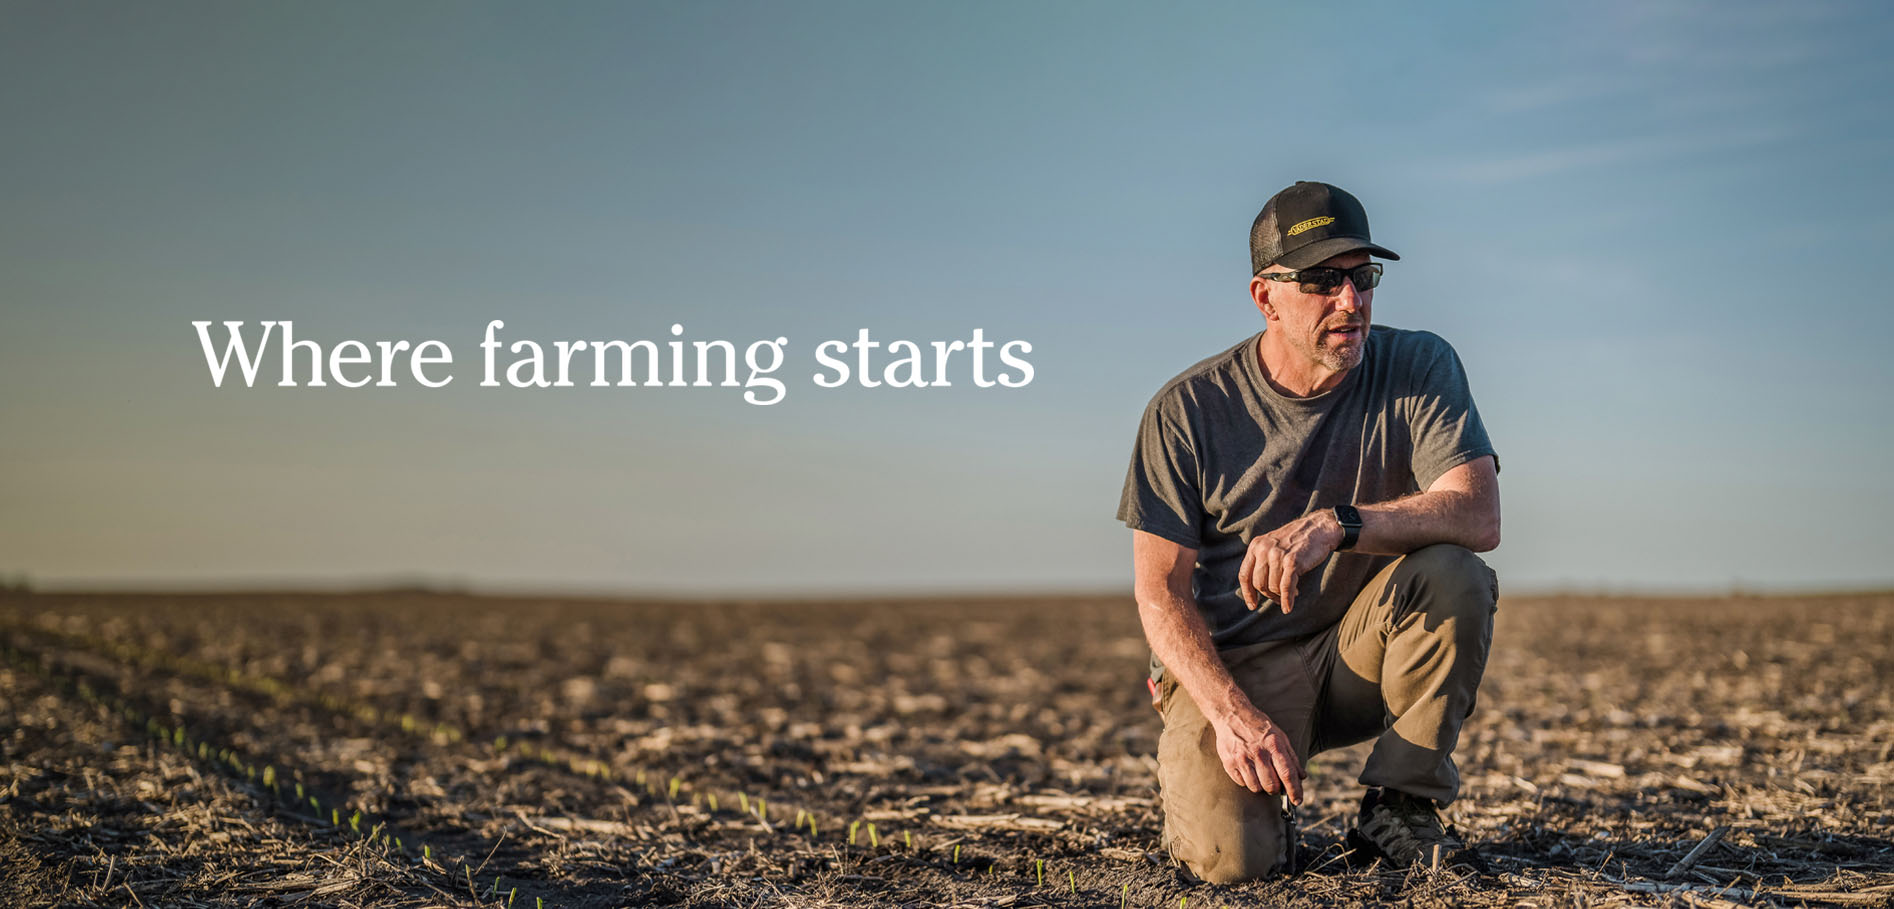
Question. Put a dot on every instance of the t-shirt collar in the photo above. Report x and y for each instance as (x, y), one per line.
(1253, 366)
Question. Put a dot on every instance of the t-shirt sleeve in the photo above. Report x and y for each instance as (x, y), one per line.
(1162, 493)
(1445, 424)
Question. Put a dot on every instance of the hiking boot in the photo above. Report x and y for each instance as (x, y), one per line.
(1406, 830)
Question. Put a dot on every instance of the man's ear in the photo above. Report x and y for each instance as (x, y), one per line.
(1259, 294)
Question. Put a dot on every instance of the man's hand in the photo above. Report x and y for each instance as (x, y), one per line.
(1258, 756)
(1277, 560)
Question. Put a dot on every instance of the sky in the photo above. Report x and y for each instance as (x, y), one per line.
(1648, 229)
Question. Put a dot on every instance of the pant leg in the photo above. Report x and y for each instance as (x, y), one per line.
(1404, 667)
(1222, 831)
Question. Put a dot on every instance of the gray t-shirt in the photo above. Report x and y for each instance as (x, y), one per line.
(1223, 457)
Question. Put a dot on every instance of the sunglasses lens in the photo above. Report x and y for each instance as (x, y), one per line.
(1366, 276)
(1320, 280)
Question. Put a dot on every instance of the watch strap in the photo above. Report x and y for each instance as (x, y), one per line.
(1350, 519)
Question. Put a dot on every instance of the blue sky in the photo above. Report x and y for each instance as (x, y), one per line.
(1648, 229)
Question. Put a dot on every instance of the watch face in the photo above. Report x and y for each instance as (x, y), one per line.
(1348, 516)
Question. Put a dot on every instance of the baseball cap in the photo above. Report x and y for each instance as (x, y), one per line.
(1307, 223)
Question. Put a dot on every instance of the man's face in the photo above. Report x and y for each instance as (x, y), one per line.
(1331, 329)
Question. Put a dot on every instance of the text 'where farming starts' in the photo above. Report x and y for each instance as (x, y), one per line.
(674, 362)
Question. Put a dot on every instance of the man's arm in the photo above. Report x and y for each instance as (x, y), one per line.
(1256, 753)
(1462, 507)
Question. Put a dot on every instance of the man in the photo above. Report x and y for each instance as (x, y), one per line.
(1305, 507)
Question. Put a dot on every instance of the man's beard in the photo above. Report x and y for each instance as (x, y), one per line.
(1339, 358)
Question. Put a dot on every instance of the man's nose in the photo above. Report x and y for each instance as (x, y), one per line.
(1347, 298)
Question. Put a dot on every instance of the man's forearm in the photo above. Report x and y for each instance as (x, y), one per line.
(1442, 516)
(1180, 639)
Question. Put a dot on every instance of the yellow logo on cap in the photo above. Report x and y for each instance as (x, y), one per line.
(1310, 224)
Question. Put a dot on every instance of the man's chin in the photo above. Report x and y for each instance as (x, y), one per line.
(1342, 359)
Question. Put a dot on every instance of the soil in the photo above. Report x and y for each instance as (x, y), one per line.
(430, 749)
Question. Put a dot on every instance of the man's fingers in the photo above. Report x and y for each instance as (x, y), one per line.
(1290, 772)
(1278, 576)
(1289, 578)
(1265, 773)
(1244, 775)
(1243, 585)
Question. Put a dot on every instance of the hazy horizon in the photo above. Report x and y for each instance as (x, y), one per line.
(369, 586)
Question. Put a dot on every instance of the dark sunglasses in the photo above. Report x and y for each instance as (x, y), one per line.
(1324, 280)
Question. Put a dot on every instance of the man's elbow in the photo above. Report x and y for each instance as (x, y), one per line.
(1486, 535)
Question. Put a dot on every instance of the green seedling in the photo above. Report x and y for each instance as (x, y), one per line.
(1040, 866)
(640, 778)
(874, 841)
(299, 792)
(712, 796)
(1074, 879)
(1124, 897)
(510, 894)
(812, 831)
(539, 902)
(799, 816)
(907, 840)
(355, 822)
(852, 826)
(335, 817)
(427, 852)
(956, 853)
(315, 806)
(762, 808)
(398, 846)
(269, 776)
(675, 785)
(499, 744)
(743, 801)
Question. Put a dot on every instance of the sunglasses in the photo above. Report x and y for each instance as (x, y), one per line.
(1324, 280)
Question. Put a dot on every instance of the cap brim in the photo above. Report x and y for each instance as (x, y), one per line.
(1315, 253)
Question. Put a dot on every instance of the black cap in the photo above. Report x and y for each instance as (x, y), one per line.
(1307, 223)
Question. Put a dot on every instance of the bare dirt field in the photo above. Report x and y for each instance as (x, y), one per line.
(411, 749)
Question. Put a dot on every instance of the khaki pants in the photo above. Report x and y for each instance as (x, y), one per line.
(1402, 667)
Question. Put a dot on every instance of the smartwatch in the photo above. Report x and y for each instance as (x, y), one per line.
(1350, 519)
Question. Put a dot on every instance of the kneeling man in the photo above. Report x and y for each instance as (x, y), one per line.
(1305, 509)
